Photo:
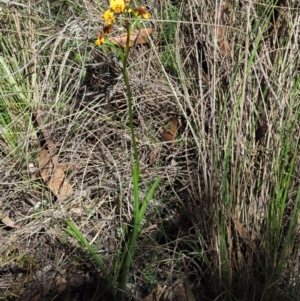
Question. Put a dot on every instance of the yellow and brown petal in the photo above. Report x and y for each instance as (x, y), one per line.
(99, 41)
(117, 6)
(106, 30)
(141, 11)
(109, 17)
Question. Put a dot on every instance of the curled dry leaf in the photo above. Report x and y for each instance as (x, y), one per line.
(61, 283)
(7, 221)
(52, 173)
(153, 156)
(169, 134)
(220, 30)
(137, 37)
(32, 171)
(155, 295)
(243, 232)
(76, 211)
(54, 176)
(224, 47)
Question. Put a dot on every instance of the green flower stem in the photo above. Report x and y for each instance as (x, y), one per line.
(129, 94)
(130, 247)
(139, 210)
(139, 207)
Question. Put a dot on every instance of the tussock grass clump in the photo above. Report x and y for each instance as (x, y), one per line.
(245, 114)
(224, 219)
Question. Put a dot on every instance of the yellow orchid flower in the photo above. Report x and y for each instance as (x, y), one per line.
(109, 17)
(100, 41)
(117, 6)
(141, 11)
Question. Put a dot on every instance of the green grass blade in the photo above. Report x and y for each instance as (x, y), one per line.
(147, 199)
(75, 232)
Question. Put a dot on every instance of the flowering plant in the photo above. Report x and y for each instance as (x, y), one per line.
(132, 16)
(119, 8)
